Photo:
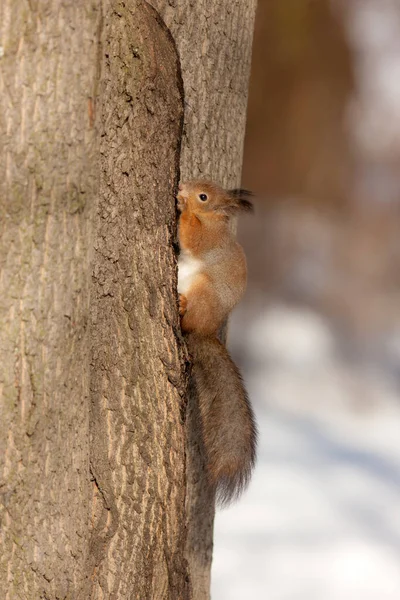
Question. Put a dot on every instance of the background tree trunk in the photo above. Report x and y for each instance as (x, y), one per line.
(94, 501)
(214, 42)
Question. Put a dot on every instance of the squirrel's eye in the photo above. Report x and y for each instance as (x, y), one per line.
(203, 197)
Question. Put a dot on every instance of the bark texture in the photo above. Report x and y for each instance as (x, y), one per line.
(137, 435)
(92, 371)
(47, 188)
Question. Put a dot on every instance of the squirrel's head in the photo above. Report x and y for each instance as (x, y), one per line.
(205, 196)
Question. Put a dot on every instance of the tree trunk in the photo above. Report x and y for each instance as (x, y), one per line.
(94, 498)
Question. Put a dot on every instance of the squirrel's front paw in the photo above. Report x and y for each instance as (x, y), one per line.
(182, 304)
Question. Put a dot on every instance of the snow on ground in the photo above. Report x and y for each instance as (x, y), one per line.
(321, 519)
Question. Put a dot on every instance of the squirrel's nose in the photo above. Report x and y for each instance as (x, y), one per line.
(182, 193)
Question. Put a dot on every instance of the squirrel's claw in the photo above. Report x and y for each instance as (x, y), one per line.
(182, 304)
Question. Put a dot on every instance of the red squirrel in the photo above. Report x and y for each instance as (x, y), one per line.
(211, 280)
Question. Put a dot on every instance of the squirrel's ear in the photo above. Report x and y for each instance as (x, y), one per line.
(241, 199)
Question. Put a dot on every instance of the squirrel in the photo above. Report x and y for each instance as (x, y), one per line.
(212, 277)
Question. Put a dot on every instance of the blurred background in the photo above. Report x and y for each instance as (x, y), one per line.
(318, 335)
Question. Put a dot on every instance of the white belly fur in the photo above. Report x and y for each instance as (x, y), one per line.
(188, 269)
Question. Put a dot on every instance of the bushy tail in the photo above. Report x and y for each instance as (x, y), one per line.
(227, 419)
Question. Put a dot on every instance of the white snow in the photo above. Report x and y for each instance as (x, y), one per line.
(321, 519)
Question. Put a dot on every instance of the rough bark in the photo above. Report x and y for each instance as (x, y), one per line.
(48, 186)
(137, 435)
(92, 371)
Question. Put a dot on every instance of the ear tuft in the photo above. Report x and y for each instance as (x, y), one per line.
(242, 198)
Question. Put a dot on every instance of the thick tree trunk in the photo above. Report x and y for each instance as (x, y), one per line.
(94, 498)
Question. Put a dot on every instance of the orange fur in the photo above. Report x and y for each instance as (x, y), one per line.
(204, 313)
(201, 232)
(205, 234)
